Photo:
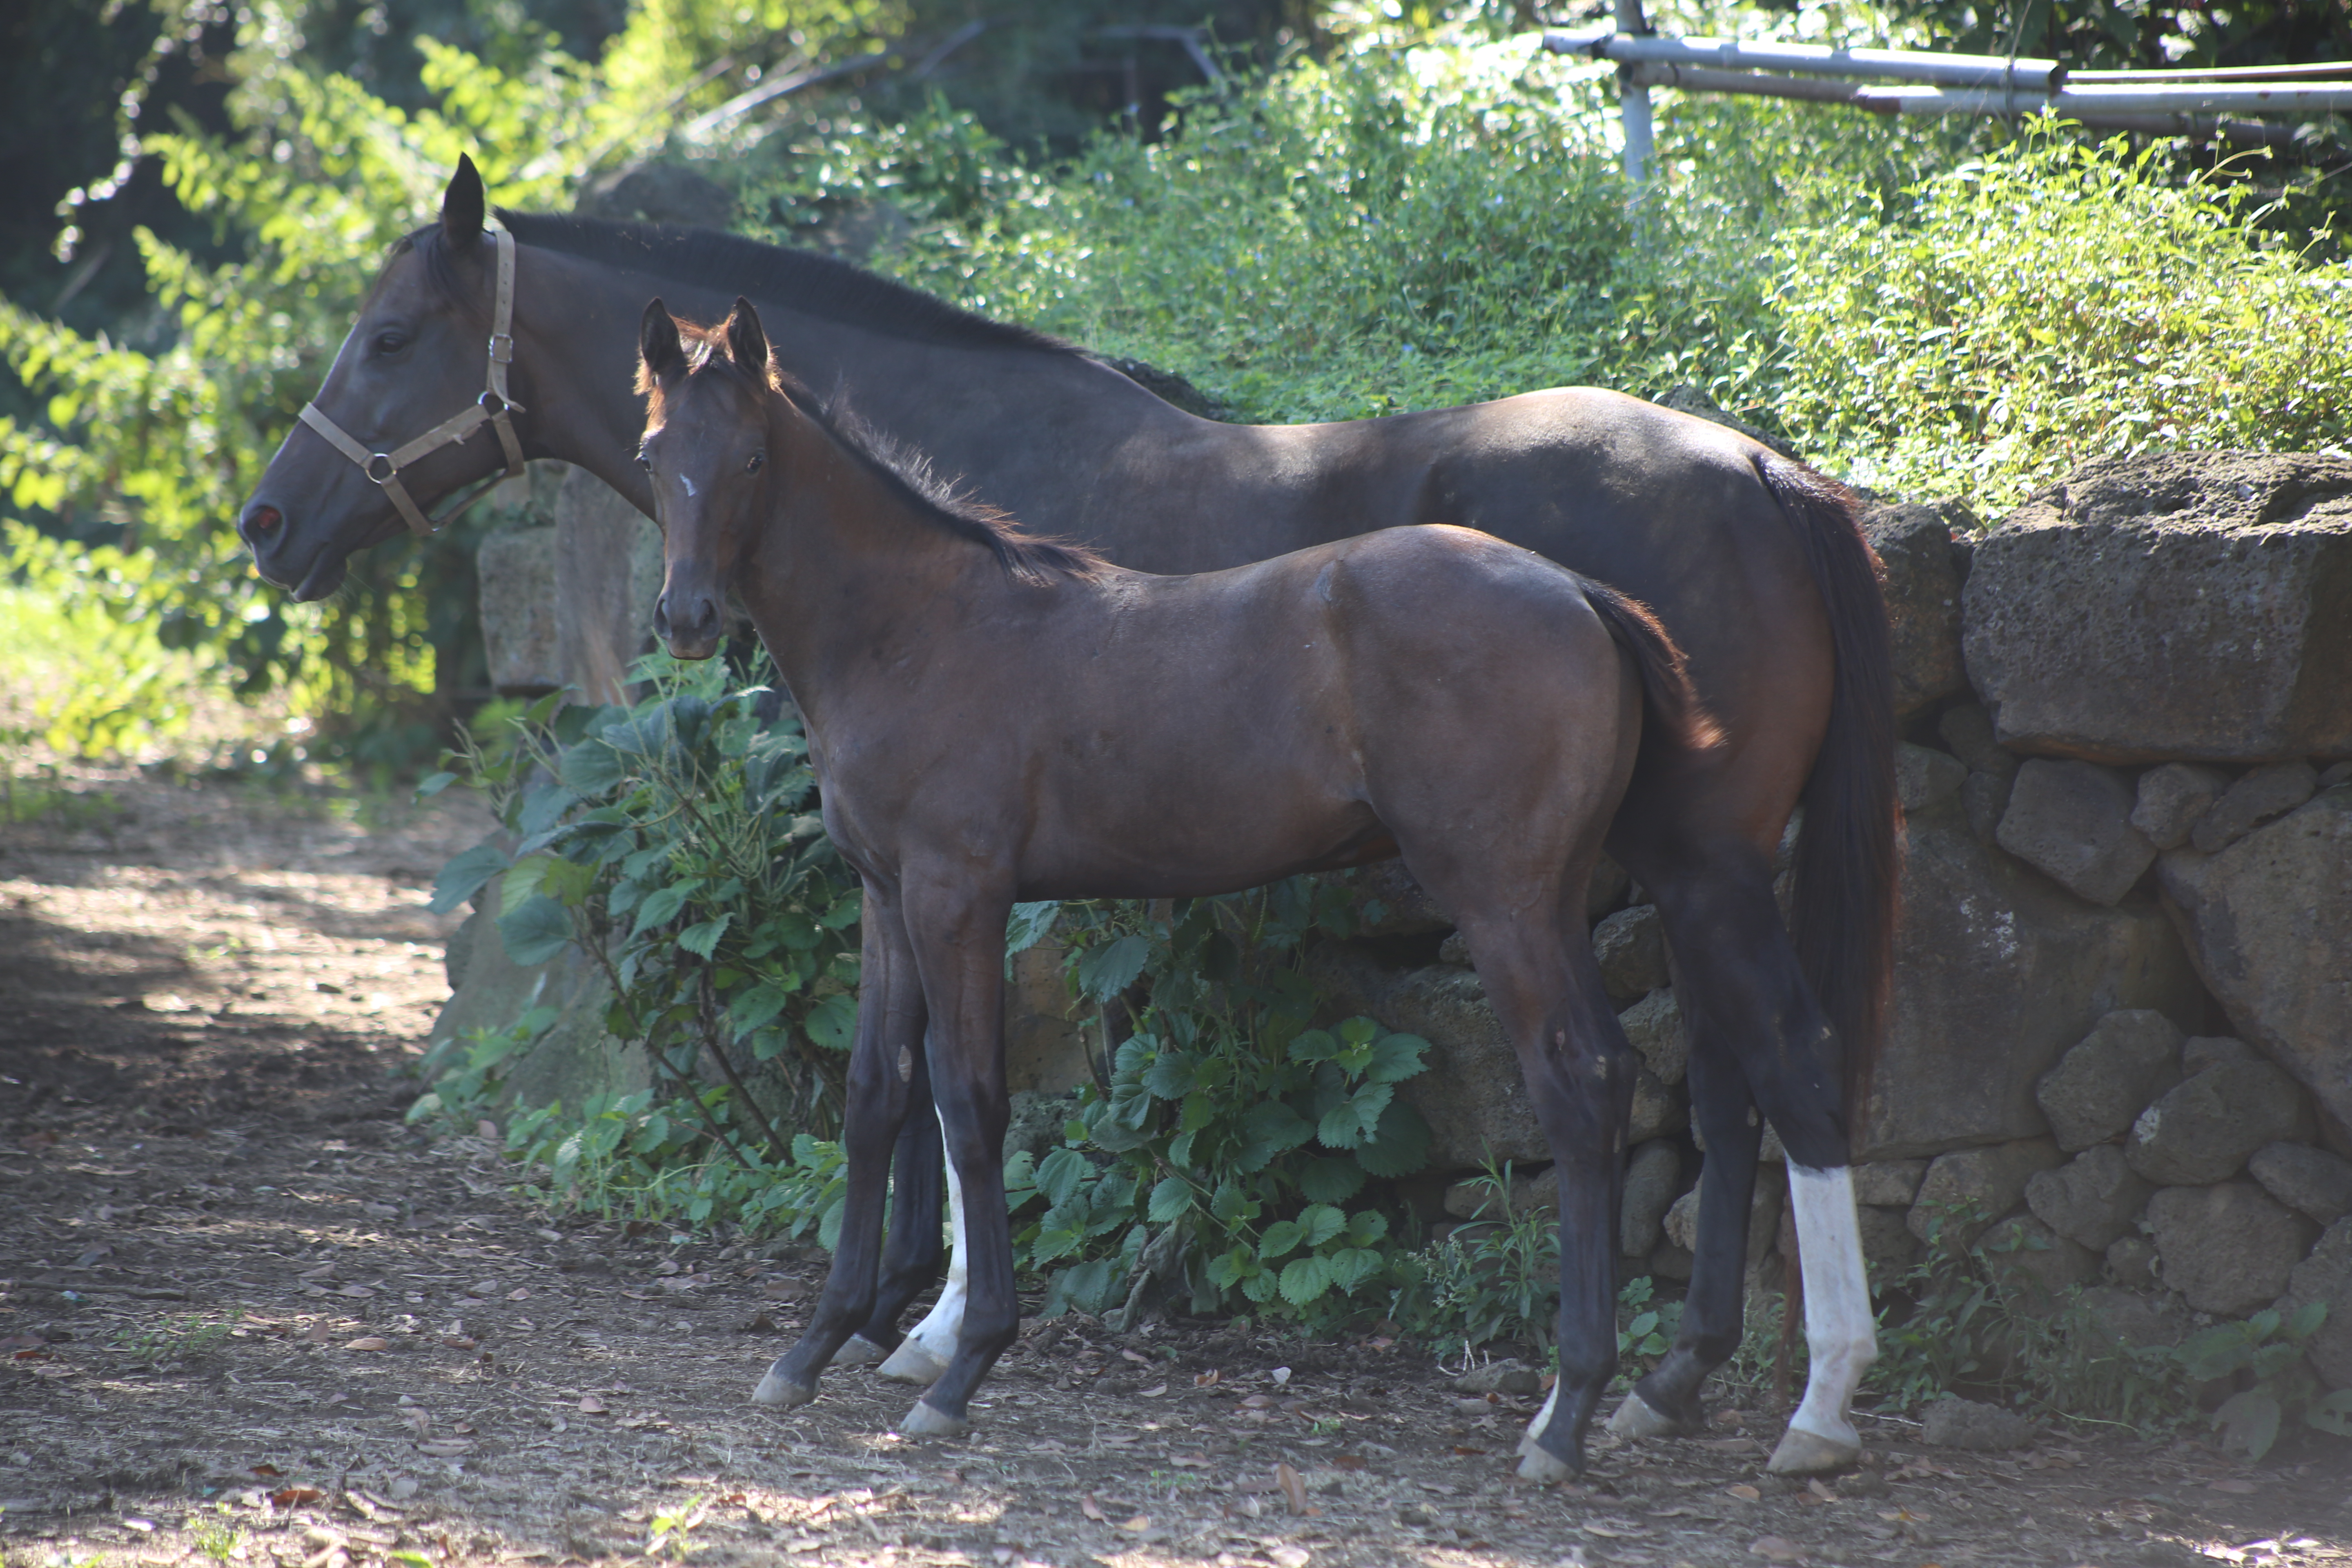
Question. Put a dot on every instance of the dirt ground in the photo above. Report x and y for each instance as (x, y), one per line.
(245, 1313)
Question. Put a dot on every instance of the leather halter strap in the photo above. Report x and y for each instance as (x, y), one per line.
(490, 408)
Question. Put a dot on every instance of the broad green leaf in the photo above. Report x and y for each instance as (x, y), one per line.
(1028, 925)
(663, 904)
(592, 767)
(1313, 1045)
(2249, 1420)
(1282, 1236)
(536, 931)
(1395, 1057)
(1172, 1198)
(832, 1023)
(432, 784)
(1399, 1146)
(1109, 970)
(1305, 1279)
(702, 938)
(757, 1005)
(463, 877)
(1330, 1181)
(1319, 1223)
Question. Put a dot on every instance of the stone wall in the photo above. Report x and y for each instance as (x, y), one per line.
(2122, 1010)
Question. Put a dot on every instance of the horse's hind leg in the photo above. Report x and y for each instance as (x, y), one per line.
(910, 1257)
(889, 1035)
(1546, 991)
(1756, 1030)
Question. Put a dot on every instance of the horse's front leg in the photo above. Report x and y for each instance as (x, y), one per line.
(910, 1257)
(890, 1020)
(957, 930)
(928, 1346)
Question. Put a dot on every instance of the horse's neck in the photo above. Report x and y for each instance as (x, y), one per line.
(847, 583)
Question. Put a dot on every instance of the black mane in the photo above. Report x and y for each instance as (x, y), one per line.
(795, 280)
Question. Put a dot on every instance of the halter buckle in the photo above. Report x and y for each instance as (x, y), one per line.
(390, 468)
(502, 347)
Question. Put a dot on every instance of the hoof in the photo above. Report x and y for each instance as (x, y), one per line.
(1542, 1467)
(858, 1350)
(781, 1393)
(910, 1363)
(1803, 1453)
(1635, 1418)
(923, 1421)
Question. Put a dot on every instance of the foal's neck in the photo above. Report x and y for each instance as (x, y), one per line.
(848, 581)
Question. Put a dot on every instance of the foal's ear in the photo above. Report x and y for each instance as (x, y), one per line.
(747, 345)
(658, 349)
(462, 207)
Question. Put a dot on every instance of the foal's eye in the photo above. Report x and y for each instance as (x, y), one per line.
(390, 342)
(757, 462)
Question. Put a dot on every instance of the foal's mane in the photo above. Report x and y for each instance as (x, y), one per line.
(905, 472)
(731, 264)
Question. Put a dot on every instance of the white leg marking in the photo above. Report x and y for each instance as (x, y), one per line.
(931, 1343)
(1841, 1335)
(1536, 1426)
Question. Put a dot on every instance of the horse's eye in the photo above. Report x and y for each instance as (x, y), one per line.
(757, 461)
(390, 342)
(645, 462)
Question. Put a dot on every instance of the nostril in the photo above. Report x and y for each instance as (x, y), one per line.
(263, 520)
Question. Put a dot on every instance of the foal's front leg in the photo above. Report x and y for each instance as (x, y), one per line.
(881, 1087)
(957, 930)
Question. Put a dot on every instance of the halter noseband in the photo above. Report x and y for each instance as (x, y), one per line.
(491, 408)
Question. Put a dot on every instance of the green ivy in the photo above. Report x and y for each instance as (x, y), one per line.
(1230, 1145)
(672, 843)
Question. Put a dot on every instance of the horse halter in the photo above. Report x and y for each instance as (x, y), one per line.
(491, 408)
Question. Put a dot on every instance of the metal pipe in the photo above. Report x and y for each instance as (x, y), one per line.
(1809, 59)
(2076, 102)
(1633, 100)
(2324, 70)
(1692, 78)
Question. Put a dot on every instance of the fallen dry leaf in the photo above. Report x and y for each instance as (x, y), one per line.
(2231, 1484)
(444, 1448)
(402, 1488)
(1745, 1494)
(291, 1497)
(1138, 1525)
(418, 1422)
(1190, 1461)
(1153, 1393)
(460, 1342)
(1207, 1378)
(1293, 1488)
(1773, 1549)
(316, 1334)
(1091, 1508)
(1288, 1556)
(592, 1405)
(368, 1342)
(519, 1294)
(268, 1472)
(1257, 1402)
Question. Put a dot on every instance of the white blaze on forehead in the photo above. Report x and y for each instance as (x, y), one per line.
(689, 483)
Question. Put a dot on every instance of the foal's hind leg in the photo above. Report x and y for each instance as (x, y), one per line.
(1546, 991)
(924, 1353)
(1757, 1030)
(910, 1257)
(889, 1022)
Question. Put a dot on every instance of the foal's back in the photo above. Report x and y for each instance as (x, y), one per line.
(1173, 735)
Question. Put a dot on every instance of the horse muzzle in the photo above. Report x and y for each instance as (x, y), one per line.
(687, 621)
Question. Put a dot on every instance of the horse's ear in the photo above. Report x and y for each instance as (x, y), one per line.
(463, 206)
(747, 345)
(658, 349)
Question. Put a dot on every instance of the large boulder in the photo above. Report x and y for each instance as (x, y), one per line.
(2202, 1129)
(608, 573)
(2310, 1180)
(2327, 1276)
(2194, 607)
(2091, 1199)
(1655, 1026)
(514, 571)
(2026, 1252)
(1652, 1178)
(2269, 923)
(1924, 571)
(1987, 1181)
(1044, 1045)
(2072, 822)
(1631, 946)
(2171, 800)
(2259, 797)
(1997, 971)
(2229, 1249)
(2101, 1085)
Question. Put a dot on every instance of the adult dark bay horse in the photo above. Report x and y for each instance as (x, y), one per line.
(995, 717)
(1753, 563)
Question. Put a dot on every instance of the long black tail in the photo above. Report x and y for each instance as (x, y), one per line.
(1846, 858)
(1673, 706)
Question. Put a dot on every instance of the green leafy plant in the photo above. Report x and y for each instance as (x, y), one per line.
(170, 1340)
(1497, 1276)
(1229, 1145)
(2266, 1353)
(670, 842)
(215, 1535)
